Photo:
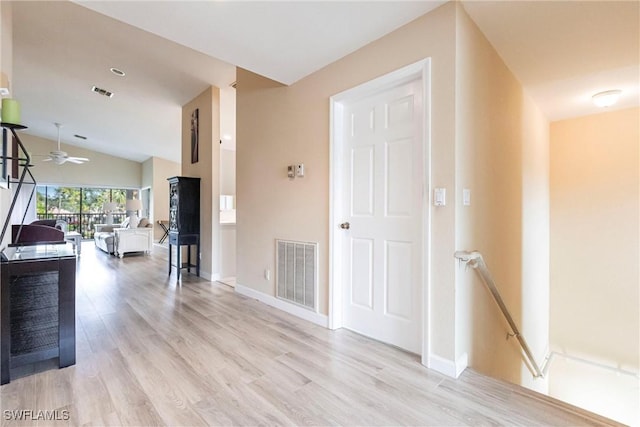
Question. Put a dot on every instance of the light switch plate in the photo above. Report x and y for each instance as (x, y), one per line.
(466, 197)
(439, 197)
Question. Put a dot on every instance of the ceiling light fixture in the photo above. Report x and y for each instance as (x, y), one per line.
(606, 98)
(117, 72)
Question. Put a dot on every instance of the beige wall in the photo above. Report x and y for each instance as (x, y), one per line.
(6, 71)
(228, 172)
(595, 237)
(102, 170)
(162, 169)
(6, 45)
(486, 135)
(147, 173)
(278, 126)
(228, 117)
(535, 238)
(208, 170)
(502, 157)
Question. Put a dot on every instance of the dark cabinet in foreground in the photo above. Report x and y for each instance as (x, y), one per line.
(184, 221)
(37, 297)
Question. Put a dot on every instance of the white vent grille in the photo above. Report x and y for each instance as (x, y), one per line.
(296, 268)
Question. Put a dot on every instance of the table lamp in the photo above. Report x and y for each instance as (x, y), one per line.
(109, 208)
(134, 205)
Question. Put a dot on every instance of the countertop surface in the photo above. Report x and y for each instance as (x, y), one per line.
(35, 252)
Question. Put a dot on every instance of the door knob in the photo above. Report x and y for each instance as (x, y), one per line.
(345, 225)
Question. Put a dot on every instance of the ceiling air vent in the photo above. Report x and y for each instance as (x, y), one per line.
(80, 136)
(101, 91)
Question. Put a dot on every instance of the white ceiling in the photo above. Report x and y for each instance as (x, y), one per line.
(61, 50)
(282, 40)
(562, 52)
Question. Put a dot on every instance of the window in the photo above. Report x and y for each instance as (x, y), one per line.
(81, 208)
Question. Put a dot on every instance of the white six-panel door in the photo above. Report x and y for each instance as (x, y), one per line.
(382, 204)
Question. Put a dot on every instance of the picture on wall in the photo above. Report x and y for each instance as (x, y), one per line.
(194, 136)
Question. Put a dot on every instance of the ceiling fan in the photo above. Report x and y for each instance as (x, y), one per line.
(59, 157)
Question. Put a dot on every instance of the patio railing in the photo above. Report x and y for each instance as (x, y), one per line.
(83, 223)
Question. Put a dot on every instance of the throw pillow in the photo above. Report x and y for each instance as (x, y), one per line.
(143, 222)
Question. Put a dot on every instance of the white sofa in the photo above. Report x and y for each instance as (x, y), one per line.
(119, 239)
(104, 236)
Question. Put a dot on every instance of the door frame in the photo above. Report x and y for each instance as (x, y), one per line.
(420, 70)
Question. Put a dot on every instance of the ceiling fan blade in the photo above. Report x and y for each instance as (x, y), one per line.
(48, 159)
(77, 160)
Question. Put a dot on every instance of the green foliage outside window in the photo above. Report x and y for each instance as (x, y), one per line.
(81, 208)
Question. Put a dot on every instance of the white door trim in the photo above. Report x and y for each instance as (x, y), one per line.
(419, 70)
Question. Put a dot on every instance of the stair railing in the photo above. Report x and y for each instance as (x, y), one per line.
(25, 163)
(474, 260)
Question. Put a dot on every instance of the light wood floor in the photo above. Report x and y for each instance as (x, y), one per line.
(150, 352)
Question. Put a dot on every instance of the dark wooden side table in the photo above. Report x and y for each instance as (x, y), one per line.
(187, 240)
(37, 306)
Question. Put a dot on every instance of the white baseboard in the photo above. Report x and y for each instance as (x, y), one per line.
(448, 367)
(208, 276)
(303, 313)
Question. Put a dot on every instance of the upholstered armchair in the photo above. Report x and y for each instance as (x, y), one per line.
(40, 231)
(121, 239)
(103, 237)
(135, 239)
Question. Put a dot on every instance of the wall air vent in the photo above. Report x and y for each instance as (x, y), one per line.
(296, 272)
(101, 91)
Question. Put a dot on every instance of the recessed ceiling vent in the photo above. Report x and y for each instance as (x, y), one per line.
(101, 91)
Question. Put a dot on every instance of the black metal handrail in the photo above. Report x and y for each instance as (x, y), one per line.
(25, 164)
